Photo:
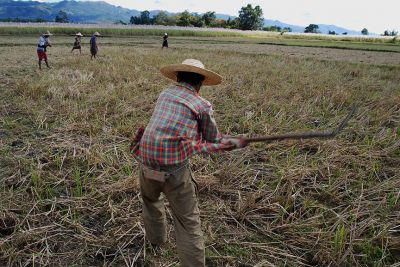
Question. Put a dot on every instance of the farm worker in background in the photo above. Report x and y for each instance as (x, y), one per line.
(182, 124)
(43, 43)
(77, 43)
(165, 40)
(93, 45)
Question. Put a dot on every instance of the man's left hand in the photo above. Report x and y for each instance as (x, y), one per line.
(234, 142)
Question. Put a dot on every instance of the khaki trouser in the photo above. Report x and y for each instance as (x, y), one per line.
(181, 194)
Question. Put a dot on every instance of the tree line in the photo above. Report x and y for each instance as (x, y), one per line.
(314, 28)
(250, 18)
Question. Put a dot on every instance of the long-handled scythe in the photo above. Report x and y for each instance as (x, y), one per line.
(306, 135)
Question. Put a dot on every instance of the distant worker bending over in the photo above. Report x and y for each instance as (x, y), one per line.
(182, 125)
(43, 43)
(77, 43)
(93, 45)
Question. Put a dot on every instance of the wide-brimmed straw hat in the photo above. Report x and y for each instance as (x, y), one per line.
(47, 33)
(192, 65)
(79, 34)
(96, 34)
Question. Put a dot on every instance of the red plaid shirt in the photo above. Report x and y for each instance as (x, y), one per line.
(182, 124)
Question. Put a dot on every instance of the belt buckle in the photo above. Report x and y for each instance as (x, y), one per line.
(159, 176)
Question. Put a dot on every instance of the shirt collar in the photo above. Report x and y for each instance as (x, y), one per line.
(187, 86)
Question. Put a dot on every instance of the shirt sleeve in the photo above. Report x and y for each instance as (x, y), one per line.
(208, 127)
(210, 135)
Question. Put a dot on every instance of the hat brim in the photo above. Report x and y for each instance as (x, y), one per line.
(79, 35)
(211, 78)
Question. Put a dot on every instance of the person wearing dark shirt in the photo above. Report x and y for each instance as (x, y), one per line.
(93, 45)
(165, 40)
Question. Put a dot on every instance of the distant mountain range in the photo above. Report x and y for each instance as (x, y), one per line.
(77, 11)
(102, 12)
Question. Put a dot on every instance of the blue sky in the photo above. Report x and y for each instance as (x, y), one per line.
(376, 16)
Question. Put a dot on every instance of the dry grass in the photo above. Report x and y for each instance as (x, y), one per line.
(69, 192)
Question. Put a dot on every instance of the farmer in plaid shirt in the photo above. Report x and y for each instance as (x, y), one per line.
(182, 124)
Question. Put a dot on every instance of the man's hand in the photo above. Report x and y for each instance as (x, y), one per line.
(234, 142)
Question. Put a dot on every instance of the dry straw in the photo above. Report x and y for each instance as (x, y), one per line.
(68, 186)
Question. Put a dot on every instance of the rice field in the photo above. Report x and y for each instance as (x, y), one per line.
(69, 193)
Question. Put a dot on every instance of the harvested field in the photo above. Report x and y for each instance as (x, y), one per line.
(68, 186)
(319, 53)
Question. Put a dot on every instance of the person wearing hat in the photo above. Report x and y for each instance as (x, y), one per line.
(77, 43)
(165, 40)
(182, 125)
(93, 45)
(41, 50)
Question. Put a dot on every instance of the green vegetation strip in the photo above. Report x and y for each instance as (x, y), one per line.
(13, 30)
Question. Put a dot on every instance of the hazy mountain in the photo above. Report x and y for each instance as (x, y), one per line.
(323, 28)
(295, 28)
(100, 11)
(77, 11)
